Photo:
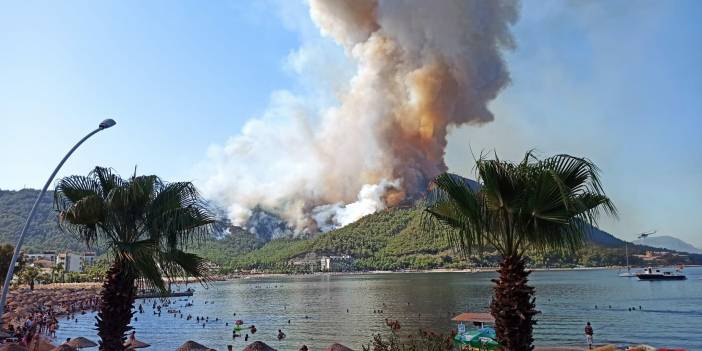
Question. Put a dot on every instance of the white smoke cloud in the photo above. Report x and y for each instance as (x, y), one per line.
(370, 200)
(377, 107)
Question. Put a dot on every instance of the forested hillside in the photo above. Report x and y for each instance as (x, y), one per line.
(387, 240)
(394, 239)
(43, 233)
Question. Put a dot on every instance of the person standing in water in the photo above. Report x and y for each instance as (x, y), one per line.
(588, 335)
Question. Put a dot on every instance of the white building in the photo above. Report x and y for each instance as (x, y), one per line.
(75, 262)
(336, 263)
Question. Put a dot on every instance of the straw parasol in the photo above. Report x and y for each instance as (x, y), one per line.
(337, 347)
(480, 317)
(43, 345)
(81, 343)
(258, 346)
(64, 347)
(193, 346)
(13, 347)
(135, 344)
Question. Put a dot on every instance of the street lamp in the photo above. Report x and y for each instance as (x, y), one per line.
(11, 269)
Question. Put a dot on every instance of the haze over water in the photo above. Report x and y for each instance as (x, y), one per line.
(671, 312)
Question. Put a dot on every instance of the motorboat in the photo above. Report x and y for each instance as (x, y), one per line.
(651, 273)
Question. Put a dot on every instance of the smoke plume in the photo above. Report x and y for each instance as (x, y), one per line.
(420, 67)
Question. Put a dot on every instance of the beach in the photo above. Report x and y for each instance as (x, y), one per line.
(34, 315)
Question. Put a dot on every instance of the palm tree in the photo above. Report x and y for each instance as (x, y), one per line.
(29, 276)
(144, 225)
(60, 270)
(534, 205)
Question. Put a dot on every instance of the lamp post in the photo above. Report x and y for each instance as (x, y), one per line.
(11, 269)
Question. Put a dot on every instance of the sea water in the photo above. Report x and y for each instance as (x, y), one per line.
(350, 309)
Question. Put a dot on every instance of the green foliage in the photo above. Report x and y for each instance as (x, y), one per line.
(28, 276)
(274, 256)
(223, 251)
(423, 340)
(97, 271)
(6, 252)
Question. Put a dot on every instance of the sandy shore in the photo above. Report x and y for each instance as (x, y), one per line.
(57, 299)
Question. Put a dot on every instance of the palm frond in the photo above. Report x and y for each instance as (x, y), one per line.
(106, 179)
(179, 264)
(535, 204)
(455, 205)
(143, 222)
(139, 257)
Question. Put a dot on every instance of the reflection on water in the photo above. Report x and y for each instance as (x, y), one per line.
(316, 307)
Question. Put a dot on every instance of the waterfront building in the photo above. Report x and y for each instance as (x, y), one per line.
(341, 263)
(76, 262)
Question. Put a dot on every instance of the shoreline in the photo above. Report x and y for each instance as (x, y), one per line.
(248, 275)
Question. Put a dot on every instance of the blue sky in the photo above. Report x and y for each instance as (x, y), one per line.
(615, 81)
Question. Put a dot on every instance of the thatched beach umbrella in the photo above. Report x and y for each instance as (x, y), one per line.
(193, 346)
(64, 347)
(43, 345)
(337, 347)
(13, 347)
(81, 343)
(258, 346)
(135, 344)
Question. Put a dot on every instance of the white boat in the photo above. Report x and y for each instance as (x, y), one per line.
(651, 273)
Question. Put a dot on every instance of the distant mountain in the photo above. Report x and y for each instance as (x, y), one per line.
(602, 238)
(668, 242)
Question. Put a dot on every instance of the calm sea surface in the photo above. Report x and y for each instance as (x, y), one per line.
(671, 313)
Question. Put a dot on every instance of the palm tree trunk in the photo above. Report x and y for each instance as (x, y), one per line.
(117, 299)
(513, 306)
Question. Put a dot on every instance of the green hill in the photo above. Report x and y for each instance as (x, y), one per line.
(394, 239)
(44, 233)
(388, 240)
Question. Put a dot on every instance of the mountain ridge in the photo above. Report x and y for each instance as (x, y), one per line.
(668, 242)
(390, 239)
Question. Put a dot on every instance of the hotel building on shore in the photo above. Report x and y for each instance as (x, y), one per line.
(72, 262)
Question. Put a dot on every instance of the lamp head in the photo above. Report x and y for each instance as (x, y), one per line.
(107, 123)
